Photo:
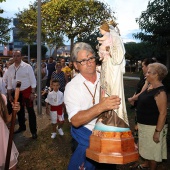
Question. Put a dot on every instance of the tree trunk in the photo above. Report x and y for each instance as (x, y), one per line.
(72, 44)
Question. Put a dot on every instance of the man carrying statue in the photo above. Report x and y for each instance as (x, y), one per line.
(88, 98)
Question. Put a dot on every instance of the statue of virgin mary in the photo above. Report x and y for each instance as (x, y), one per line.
(112, 70)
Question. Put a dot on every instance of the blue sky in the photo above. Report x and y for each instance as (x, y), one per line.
(125, 11)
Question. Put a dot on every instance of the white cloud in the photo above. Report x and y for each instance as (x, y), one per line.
(126, 11)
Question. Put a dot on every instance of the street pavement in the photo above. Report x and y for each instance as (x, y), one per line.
(131, 78)
(43, 120)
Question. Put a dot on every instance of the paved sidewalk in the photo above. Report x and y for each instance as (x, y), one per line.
(131, 78)
(43, 120)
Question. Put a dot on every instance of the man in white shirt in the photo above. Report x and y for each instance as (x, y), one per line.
(81, 98)
(23, 72)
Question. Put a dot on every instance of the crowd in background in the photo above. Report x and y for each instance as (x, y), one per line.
(48, 67)
(150, 121)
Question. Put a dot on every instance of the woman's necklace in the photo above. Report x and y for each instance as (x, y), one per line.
(93, 96)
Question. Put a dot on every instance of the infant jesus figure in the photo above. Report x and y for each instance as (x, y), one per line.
(105, 41)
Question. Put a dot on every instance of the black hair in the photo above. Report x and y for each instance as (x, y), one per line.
(148, 61)
(55, 81)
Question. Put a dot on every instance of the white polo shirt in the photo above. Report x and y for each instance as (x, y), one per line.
(23, 73)
(55, 98)
(77, 97)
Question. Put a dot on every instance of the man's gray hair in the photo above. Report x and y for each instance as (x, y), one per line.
(78, 47)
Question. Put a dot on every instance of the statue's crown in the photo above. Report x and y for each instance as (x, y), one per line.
(112, 22)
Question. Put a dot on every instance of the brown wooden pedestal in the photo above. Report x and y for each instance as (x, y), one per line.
(112, 147)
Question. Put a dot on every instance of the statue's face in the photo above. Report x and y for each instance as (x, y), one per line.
(102, 31)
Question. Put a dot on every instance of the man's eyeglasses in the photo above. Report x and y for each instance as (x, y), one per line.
(84, 61)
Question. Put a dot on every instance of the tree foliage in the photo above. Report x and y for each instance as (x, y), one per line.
(27, 25)
(27, 28)
(4, 28)
(155, 23)
(74, 18)
(139, 51)
(1, 10)
(64, 17)
(90, 39)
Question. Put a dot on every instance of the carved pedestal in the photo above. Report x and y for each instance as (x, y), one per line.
(112, 147)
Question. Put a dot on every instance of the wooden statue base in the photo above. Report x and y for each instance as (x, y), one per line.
(112, 147)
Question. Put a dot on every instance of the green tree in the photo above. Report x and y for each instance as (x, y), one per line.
(1, 10)
(90, 39)
(76, 17)
(54, 41)
(27, 25)
(33, 51)
(139, 51)
(4, 28)
(154, 24)
(71, 18)
(27, 28)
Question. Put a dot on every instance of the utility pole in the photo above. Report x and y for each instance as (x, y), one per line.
(39, 107)
(29, 53)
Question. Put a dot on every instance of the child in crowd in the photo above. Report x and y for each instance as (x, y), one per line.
(4, 119)
(55, 99)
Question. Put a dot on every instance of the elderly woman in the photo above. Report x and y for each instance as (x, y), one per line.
(151, 116)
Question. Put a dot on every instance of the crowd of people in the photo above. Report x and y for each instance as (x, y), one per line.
(75, 89)
(54, 76)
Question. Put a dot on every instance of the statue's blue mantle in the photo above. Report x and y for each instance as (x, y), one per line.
(105, 128)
